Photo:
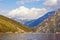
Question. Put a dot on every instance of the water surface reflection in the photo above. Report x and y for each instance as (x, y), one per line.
(30, 36)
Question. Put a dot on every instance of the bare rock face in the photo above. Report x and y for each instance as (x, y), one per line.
(51, 24)
(58, 20)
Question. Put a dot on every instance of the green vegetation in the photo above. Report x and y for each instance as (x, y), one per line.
(9, 25)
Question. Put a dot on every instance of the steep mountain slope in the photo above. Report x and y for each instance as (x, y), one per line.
(51, 24)
(9, 25)
(36, 22)
(58, 20)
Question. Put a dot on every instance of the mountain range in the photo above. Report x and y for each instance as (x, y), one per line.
(36, 22)
(50, 22)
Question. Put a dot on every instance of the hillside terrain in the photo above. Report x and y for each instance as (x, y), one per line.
(51, 24)
(36, 22)
(48, 23)
(9, 25)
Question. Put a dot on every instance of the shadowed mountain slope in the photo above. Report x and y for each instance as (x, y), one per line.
(36, 22)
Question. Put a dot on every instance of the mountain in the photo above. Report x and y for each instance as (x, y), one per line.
(51, 24)
(9, 25)
(21, 20)
(34, 23)
(58, 20)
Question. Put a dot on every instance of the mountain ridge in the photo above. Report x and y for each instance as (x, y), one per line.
(34, 23)
(12, 24)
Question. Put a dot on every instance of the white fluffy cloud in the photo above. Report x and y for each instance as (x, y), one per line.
(3, 12)
(27, 13)
(26, 1)
(51, 2)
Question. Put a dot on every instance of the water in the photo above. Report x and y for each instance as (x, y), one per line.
(30, 36)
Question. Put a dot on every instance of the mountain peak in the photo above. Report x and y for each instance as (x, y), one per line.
(36, 22)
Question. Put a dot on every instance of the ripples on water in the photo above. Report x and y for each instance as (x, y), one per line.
(27, 36)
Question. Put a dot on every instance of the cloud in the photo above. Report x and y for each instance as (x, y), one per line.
(50, 2)
(58, 5)
(27, 13)
(4, 12)
(26, 1)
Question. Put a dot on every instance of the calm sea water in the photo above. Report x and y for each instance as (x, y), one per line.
(30, 36)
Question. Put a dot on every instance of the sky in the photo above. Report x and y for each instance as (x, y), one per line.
(27, 9)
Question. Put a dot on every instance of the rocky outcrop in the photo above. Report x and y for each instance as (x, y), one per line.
(51, 24)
